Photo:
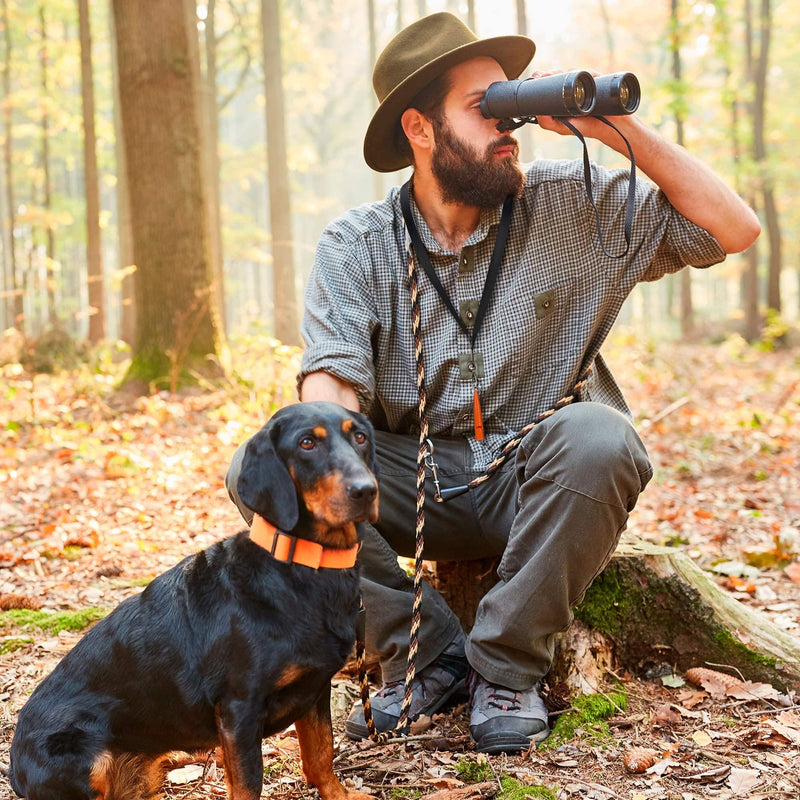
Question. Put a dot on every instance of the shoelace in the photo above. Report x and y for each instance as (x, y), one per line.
(392, 687)
(503, 702)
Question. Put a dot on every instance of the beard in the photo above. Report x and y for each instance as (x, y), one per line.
(471, 178)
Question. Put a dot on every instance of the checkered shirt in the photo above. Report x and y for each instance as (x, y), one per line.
(555, 301)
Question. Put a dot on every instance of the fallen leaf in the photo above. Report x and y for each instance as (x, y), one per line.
(639, 759)
(790, 719)
(691, 698)
(472, 792)
(187, 774)
(792, 734)
(793, 571)
(665, 715)
(743, 780)
(701, 738)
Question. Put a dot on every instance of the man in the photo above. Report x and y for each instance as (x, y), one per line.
(553, 513)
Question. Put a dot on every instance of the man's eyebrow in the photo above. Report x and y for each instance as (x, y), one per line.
(474, 93)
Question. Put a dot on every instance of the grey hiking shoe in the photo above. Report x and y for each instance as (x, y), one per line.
(503, 720)
(431, 689)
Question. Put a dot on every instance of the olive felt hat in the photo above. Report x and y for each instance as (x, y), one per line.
(416, 56)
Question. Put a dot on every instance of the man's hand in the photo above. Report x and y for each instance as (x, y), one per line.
(324, 386)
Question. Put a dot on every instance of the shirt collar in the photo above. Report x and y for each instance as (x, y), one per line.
(489, 217)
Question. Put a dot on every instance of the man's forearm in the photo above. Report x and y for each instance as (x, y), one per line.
(324, 386)
(692, 188)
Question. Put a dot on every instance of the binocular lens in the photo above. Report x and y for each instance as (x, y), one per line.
(617, 94)
(580, 94)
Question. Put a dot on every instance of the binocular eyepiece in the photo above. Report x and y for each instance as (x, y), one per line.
(568, 94)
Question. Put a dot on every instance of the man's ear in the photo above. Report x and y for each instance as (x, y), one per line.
(417, 128)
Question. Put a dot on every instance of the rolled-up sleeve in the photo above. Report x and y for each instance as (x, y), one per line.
(682, 244)
(340, 315)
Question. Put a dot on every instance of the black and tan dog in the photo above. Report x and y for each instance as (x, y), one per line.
(231, 645)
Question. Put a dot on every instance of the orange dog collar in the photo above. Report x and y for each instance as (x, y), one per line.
(288, 548)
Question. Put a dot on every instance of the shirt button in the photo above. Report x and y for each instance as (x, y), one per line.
(546, 304)
(464, 417)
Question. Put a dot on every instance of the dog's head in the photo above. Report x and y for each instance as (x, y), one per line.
(315, 462)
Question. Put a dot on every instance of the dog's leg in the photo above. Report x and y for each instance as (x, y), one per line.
(316, 749)
(240, 739)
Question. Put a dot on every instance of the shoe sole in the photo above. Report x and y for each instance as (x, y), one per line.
(357, 731)
(493, 744)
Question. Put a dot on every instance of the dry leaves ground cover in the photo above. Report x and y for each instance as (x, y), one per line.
(102, 491)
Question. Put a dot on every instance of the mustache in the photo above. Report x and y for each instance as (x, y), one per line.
(504, 141)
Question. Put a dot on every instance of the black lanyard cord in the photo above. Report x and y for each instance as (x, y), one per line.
(587, 176)
(421, 253)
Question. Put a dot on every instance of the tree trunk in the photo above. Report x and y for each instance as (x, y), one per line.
(377, 180)
(760, 154)
(687, 308)
(652, 604)
(752, 290)
(16, 282)
(50, 246)
(650, 598)
(280, 212)
(94, 256)
(176, 330)
(752, 316)
(210, 108)
(127, 321)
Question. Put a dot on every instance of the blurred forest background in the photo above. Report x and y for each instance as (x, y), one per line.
(167, 166)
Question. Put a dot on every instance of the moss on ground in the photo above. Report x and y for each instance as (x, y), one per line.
(589, 714)
(51, 622)
(472, 771)
(516, 790)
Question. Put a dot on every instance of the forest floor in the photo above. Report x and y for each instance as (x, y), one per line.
(102, 491)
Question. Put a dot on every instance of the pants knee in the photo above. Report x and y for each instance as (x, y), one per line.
(589, 448)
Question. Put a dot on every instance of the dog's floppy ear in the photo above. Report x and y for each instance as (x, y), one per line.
(265, 485)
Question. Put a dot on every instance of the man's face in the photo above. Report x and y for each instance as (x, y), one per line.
(472, 162)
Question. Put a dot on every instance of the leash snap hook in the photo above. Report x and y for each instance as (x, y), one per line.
(433, 467)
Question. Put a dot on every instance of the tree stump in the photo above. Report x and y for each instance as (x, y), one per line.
(649, 606)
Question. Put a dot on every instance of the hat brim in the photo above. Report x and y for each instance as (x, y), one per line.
(513, 53)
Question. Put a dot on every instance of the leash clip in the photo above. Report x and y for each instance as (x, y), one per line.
(433, 467)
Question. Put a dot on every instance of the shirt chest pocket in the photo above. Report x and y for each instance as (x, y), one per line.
(538, 323)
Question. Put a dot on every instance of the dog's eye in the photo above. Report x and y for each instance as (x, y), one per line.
(360, 437)
(307, 443)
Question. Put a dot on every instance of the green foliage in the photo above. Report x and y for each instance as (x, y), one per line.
(54, 350)
(471, 771)
(774, 332)
(516, 790)
(13, 643)
(51, 622)
(588, 716)
(402, 793)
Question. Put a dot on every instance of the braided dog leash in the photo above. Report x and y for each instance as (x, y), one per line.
(425, 458)
(416, 616)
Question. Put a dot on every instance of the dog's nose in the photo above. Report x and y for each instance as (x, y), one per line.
(362, 491)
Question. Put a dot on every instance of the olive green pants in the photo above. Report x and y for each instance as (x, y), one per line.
(553, 514)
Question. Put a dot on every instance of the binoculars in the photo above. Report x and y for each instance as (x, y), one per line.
(568, 94)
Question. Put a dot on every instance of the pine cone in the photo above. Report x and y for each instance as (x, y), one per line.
(701, 676)
(639, 759)
(13, 601)
(557, 698)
